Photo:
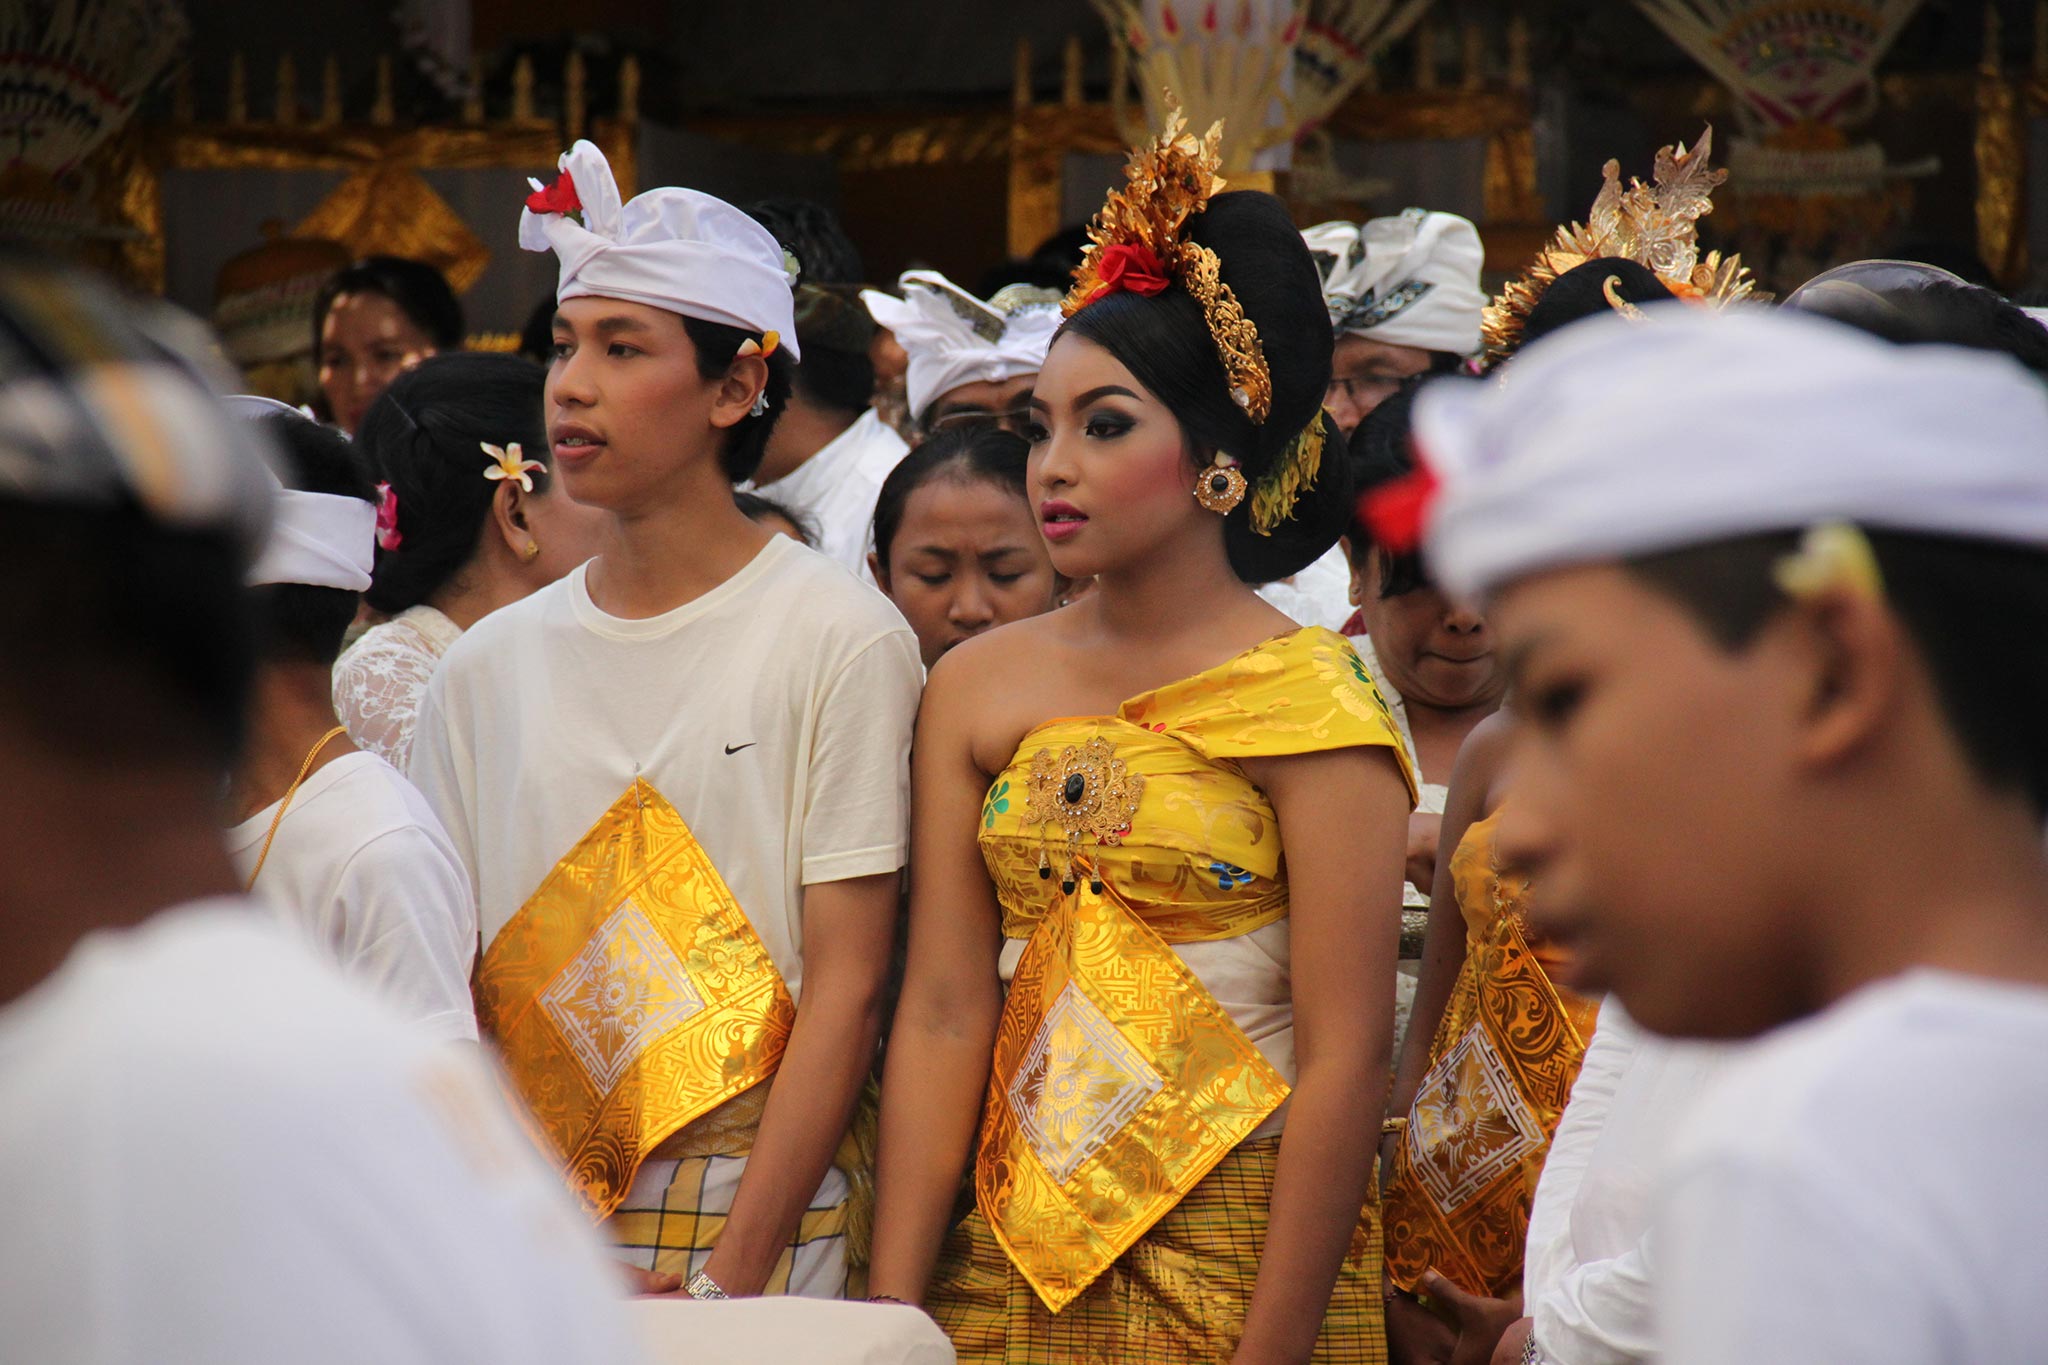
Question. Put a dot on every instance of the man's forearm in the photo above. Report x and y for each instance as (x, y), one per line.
(829, 1057)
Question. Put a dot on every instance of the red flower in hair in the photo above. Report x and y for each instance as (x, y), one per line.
(559, 197)
(1396, 512)
(1131, 266)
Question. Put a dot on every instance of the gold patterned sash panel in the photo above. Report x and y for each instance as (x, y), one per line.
(1119, 1080)
(630, 995)
(1118, 1084)
(1501, 1070)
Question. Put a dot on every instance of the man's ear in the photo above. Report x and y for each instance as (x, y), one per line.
(744, 381)
(1856, 656)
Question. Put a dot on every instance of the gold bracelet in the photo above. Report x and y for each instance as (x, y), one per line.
(1394, 1127)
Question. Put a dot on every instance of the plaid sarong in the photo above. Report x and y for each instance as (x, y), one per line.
(677, 1205)
(1180, 1294)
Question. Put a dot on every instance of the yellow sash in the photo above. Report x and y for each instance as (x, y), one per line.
(630, 995)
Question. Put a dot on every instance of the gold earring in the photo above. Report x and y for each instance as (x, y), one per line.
(531, 552)
(1221, 487)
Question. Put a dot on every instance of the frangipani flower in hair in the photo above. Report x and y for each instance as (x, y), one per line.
(507, 464)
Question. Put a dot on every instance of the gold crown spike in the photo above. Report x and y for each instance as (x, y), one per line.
(1168, 182)
(1654, 225)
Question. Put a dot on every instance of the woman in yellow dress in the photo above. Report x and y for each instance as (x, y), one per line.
(1174, 824)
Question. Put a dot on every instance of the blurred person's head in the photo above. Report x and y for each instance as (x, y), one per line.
(1913, 304)
(1753, 647)
(957, 547)
(131, 506)
(459, 531)
(832, 386)
(812, 234)
(374, 319)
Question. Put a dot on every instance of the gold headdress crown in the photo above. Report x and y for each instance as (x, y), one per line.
(1654, 225)
(1139, 244)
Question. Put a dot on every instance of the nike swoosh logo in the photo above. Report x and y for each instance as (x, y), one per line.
(732, 749)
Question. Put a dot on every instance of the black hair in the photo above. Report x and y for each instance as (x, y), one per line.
(1382, 451)
(302, 623)
(420, 291)
(132, 640)
(1581, 292)
(986, 453)
(1940, 312)
(811, 232)
(716, 345)
(1164, 341)
(424, 437)
(834, 329)
(757, 508)
(1960, 600)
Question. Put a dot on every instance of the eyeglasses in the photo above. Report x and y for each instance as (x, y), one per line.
(1016, 420)
(1359, 389)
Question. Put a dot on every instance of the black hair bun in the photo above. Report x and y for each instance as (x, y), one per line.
(1581, 292)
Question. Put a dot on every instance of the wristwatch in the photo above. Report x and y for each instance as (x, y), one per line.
(702, 1286)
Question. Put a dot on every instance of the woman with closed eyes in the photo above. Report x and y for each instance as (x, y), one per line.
(1158, 843)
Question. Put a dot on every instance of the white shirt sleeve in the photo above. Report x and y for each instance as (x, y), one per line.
(857, 805)
(411, 929)
(1596, 1313)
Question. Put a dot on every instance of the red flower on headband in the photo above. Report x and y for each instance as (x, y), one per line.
(388, 537)
(1396, 512)
(1129, 266)
(559, 197)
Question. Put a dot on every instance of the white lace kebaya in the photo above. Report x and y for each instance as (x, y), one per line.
(378, 682)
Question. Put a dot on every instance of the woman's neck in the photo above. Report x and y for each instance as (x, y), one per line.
(476, 591)
(1149, 600)
(672, 553)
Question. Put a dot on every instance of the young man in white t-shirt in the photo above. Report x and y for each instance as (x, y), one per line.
(335, 839)
(679, 776)
(213, 1147)
(1781, 770)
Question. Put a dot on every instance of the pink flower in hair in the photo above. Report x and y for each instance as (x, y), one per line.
(388, 537)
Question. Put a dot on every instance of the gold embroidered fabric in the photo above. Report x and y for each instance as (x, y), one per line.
(1119, 1081)
(630, 995)
(1501, 1069)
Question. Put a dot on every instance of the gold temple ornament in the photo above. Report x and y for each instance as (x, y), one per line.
(1089, 794)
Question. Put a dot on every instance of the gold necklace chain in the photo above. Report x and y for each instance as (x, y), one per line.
(286, 804)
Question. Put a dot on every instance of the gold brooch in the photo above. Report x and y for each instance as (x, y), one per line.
(1086, 791)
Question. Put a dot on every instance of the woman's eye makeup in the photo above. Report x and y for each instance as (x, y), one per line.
(1035, 433)
(1107, 426)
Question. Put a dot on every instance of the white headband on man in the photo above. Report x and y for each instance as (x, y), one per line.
(320, 540)
(953, 338)
(1618, 438)
(681, 250)
(1408, 280)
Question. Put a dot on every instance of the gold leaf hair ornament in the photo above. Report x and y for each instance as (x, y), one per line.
(1654, 225)
(1138, 244)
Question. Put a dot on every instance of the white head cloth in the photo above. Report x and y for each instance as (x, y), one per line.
(1618, 438)
(1408, 280)
(682, 250)
(321, 540)
(953, 338)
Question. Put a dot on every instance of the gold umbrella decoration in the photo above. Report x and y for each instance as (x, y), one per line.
(1268, 69)
(71, 75)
